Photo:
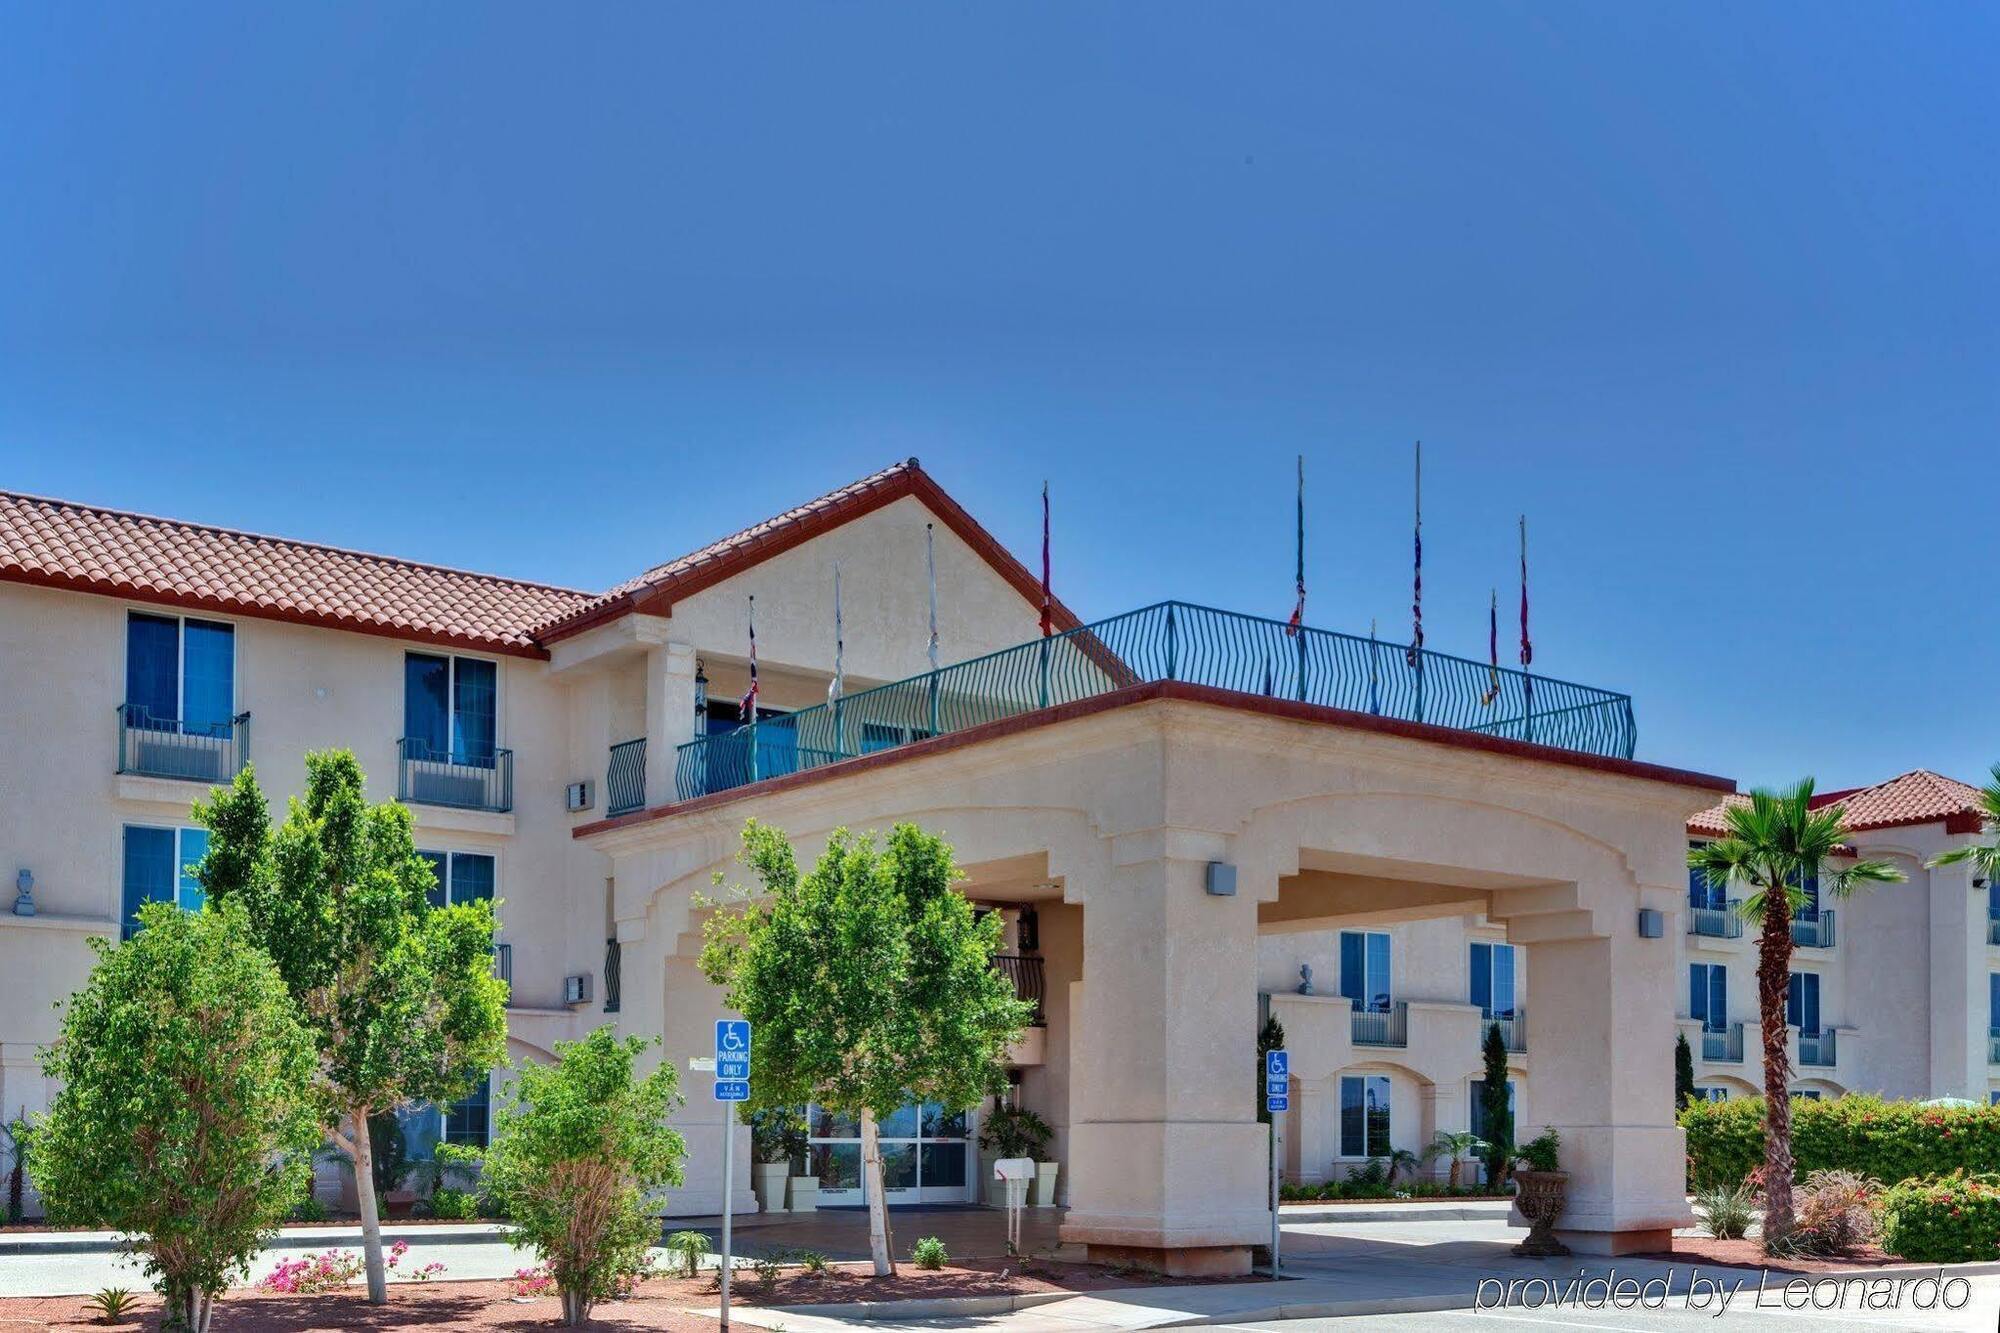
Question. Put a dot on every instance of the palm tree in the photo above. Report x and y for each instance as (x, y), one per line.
(1985, 856)
(1454, 1146)
(1775, 841)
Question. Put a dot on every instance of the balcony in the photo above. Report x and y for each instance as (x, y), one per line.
(164, 747)
(614, 969)
(1171, 641)
(1513, 1030)
(1816, 1050)
(1724, 1046)
(1382, 1027)
(503, 968)
(625, 778)
(1993, 930)
(1814, 932)
(426, 775)
(1029, 983)
(1721, 923)
(1993, 1046)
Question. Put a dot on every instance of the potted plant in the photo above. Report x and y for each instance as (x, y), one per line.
(1543, 1193)
(777, 1139)
(1014, 1131)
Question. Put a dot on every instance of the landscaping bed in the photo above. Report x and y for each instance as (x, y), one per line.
(1749, 1253)
(659, 1303)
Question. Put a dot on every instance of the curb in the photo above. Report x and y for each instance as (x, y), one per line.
(1494, 1210)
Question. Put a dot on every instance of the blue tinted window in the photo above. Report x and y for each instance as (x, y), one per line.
(471, 877)
(468, 1118)
(150, 871)
(194, 846)
(474, 702)
(440, 893)
(153, 666)
(210, 684)
(1802, 1001)
(1493, 979)
(1708, 995)
(426, 709)
(1365, 969)
(1364, 1116)
(1479, 1123)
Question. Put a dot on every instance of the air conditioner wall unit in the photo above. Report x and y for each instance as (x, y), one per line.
(576, 988)
(580, 795)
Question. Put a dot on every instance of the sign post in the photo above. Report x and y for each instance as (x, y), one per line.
(1277, 1100)
(732, 1085)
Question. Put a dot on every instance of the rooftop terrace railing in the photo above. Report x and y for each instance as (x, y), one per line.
(1170, 641)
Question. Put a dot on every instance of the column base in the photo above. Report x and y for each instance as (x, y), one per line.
(1651, 1240)
(1180, 1261)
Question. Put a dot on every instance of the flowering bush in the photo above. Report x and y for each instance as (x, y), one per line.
(1953, 1219)
(536, 1281)
(326, 1271)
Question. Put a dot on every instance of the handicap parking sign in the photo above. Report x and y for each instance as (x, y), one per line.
(732, 1038)
(732, 1090)
(1277, 1065)
(1275, 1103)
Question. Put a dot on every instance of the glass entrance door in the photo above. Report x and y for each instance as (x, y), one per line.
(926, 1155)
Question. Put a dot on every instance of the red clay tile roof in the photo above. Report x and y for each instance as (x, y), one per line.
(1917, 797)
(57, 543)
(61, 544)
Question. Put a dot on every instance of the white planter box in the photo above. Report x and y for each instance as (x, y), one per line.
(767, 1179)
(1045, 1184)
(805, 1194)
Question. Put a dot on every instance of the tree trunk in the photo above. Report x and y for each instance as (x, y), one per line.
(1774, 975)
(364, 1195)
(574, 1308)
(879, 1243)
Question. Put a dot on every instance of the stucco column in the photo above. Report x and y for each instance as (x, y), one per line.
(670, 669)
(692, 1006)
(1959, 997)
(1602, 1035)
(1168, 1161)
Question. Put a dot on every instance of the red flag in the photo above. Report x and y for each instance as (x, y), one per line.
(1048, 602)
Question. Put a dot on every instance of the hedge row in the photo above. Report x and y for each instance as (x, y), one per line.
(1889, 1140)
(1948, 1221)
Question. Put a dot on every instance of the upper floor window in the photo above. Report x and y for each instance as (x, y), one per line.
(1809, 911)
(1708, 995)
(1493, 979)
(1702, 894)
(1993, 1002)
(1802, 1001)
(159, 868)
(451, 709)
(1365, 972)
(462, 877)
(178, 669)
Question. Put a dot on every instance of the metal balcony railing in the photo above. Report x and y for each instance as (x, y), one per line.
(1993, 930)
(1382, 1027)
(1814, 932)
(614, 965)
(426, 775)
(625, 778)
(1722, 923)
(1816, 1049)
(503, 968)
(1723, 1044)
(1171, 641)
(1993, 1046)
(165, 747)
(1513, 1029)
(1026, 973)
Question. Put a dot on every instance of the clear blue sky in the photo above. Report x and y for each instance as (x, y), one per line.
(1709, 292)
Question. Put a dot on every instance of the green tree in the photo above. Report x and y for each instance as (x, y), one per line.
(1984, 856)
(188, 1111)
(574, 1157)
(870, 983)
(1453, 1146)
(400, 995)
(1775, 842)
(1494, 1106)
(1683, 1072)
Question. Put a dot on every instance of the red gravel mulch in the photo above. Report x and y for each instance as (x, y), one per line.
(658, 1304)
(1750, 1254)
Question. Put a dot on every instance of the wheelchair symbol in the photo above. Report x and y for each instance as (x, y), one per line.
(732, 1037)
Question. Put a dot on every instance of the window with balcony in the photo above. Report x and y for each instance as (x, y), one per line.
(178, 718)
(1493, 979)
(1802, 1002)
(1365, 972)
(1702, 895)
(1364, 1115)
(159, 868)
(1708, 995)
(449, 752)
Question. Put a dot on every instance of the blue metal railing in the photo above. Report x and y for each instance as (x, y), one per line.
(1724, 1044)
(1381, 1027)
(165, 747)
(1814, 932)
(1722, 923)
(1173, 641)
(625, 778)
(427, 775)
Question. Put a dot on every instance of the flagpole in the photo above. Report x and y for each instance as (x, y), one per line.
(837, 688)
(1374, 674)
(1298, 626)
(750, 699)
(1416, 653)
(1527, 646)
(930, 573)
(1048, 623)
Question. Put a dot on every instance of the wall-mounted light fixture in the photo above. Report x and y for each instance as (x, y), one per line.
(1221, 879)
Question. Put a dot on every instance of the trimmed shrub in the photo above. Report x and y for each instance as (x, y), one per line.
(1889, 1140)
(1951, 1220)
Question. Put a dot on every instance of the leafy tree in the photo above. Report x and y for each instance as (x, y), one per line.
(1493, 1104)
(1777, 840)
(869, 981)
(574, 1157)
(1270, 1037)
(1984, 856)
(400, 995)
(188, 1113)
(1683, 1072)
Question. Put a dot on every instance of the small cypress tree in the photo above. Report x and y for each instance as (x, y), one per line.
(1683, 1073)
(1493, 1102)
(1271, 1037)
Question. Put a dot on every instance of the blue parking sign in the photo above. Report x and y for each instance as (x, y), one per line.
(1277, 1064)
(1275, 1103)
(732, 1090)
(732, 1038)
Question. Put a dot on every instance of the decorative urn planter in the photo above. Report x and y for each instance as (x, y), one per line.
(767, 1180)
(1044, 1195)
(805, 1194)
(1542, 1197)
